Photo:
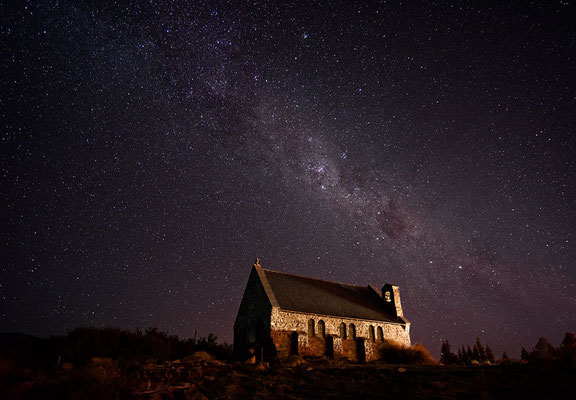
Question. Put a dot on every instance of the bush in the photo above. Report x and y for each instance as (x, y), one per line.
(10, 372)
(81, 345)
(199, 355)
(396, 353)
(567, 349)
(102, 369)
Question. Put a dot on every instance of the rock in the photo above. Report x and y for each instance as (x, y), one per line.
(67, 366)
(198, 356)
(188, 394)
(293, 361)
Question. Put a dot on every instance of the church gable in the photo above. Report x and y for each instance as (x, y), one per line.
(255, 303)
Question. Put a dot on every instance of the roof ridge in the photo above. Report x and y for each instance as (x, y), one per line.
(315, 279)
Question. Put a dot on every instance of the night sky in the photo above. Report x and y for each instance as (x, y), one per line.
(151, 152)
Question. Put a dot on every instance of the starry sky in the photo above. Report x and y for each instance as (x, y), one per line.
(152, 150)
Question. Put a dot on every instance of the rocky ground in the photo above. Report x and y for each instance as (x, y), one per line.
(298, 379)
(376, 381)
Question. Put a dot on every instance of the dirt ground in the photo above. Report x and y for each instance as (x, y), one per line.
(299, 379)
(375, 381)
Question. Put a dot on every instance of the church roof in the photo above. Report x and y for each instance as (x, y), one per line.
(316, 296)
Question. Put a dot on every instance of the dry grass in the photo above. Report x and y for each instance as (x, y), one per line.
(10, 372)
(396, 353)
(312, 378)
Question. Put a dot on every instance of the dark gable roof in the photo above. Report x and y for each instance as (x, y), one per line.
(315, 296)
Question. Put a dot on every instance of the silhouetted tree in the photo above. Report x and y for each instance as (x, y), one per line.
(479, 352)
(446, 355)
(544, 350)
(82, 344)
(209, 344)
(460, 356)
(524, 355)
(569, 341)
(469, 355)
(489, 354)
(568, 349)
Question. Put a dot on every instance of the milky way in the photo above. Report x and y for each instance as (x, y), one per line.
(150, 152)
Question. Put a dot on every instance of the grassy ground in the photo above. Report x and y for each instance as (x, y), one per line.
(374, 381)
(316, 379)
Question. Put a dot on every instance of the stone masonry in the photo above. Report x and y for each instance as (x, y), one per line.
(271, 322)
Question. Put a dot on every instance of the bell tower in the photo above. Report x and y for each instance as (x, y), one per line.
(391, 297)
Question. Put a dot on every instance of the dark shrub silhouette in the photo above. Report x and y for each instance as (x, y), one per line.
(81, 345)
(567, 351)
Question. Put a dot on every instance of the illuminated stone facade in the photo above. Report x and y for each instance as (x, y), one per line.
(271, 322)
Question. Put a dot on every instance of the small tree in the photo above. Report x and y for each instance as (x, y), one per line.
(460, 356)
(489, 354)
(446, 355)
(479, 351)
(469, 355)
(569, 341)
(544, 350)
(524, 355)
(568, 349)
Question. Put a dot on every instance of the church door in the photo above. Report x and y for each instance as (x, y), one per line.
(360, 350)
(329, 346)
(294, 344)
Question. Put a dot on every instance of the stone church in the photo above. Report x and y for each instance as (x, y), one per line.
(283, 314)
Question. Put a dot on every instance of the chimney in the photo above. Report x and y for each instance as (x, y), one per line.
(391, 297)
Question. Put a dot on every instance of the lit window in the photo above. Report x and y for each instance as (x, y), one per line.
(311, 332)
(321, 329)
(342, 330)
(352, 332)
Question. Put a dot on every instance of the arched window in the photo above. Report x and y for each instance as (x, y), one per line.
(352, 332)
(321, 329)
(371, 333)
(380, 334)
(311, 332)
(342, 330)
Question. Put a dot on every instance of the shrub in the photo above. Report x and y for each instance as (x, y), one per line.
(396, 353)
(10, 372)
(568, 349)
(200, 355)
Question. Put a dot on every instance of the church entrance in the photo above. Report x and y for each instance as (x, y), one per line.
(294, 344)
(329, 346)
(360, 350)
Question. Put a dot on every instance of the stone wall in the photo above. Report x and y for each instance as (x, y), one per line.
(292, 321)
(289, 333)
(283, 342)
(311, 346)
(371, 355)
(307, 346)
(348, 350)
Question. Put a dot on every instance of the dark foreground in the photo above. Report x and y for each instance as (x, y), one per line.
(297, 379)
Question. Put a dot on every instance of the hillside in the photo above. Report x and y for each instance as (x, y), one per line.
(298, 379)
